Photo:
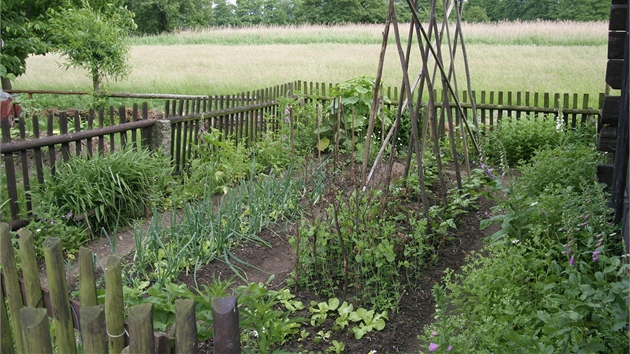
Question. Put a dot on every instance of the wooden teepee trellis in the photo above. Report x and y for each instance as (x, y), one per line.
(425, 132)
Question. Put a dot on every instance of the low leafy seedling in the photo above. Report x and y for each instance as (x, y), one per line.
(344, 310)
(320, 310)
(367, 321)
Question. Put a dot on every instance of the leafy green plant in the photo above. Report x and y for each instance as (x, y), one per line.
(272, 152)
(269, 326)
(298, 124)
(516, 139)
(367, 321)
(369, 262)
(336, 347)
(105, 190)
(73, 234)
(320, 310)
(569, 165)
(287, 300)
(351, 104)
(554, 276)
(218, 164)
(162, 297)
(344, 310)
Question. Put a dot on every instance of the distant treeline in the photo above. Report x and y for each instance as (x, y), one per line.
(159, 16)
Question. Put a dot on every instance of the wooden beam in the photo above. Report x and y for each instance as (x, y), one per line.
(618, 17)
(616, 41)
(610, 111)
(614, 70)
(607, 139)
(605, 173)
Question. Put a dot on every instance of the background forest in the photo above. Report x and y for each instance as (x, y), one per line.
(155, 16)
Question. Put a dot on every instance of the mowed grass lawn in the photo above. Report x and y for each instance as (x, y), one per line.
(535, 57)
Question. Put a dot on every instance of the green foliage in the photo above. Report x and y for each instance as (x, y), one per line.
(365, 320)
(369, 263)
(266, 327)
(207, 230)
(264, 323)
(217, 164)
(554, 278)
(98, 45)
(162, 297)
(360, 245)
(157, 16)
(301, 119)
(22, 34)
(272, 152)
(474, 14)
(516, 139)
(356, 103)
(320, 310)
(72, 234)
(106, 190)
(565, 166)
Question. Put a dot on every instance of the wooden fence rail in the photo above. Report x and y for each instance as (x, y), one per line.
(35, 143)
(102, 327)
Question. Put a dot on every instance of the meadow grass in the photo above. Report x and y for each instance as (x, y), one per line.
(225, 69)
(564, 33)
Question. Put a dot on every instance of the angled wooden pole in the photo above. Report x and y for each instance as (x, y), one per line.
(377, 85)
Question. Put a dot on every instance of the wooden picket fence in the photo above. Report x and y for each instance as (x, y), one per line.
(242, 117)
(25, 324)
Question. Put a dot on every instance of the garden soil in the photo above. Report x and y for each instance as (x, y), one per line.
(273, 265)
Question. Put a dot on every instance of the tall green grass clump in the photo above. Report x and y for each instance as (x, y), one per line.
(106, 190)
(553, 279)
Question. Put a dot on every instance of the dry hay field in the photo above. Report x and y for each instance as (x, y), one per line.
(522, 56)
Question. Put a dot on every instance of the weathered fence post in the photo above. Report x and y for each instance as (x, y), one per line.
(114, 307)
(225, 324)
(87, 281)
(36, 330)
(6, 339)
(29, 268)
(92, 325)
(185, 327)
(60, 302)
(161, 137)
(141, 329)
(11, 285)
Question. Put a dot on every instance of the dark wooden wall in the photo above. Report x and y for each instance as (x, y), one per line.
(614, 123)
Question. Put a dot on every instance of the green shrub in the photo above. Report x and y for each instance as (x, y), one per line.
(516, 139)
(564, 166)
(109, 190)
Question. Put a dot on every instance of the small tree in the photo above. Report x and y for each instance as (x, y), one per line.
(93, 40)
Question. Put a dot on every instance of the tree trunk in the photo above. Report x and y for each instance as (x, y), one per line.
(96, 81)
(6, 84)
